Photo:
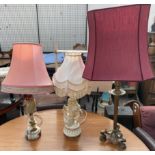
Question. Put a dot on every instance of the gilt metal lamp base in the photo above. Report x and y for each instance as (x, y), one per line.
(113, 136)
(33, 134)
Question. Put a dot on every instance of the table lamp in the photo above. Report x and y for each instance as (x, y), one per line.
(68, 81)
(118, 52)
(28, 76)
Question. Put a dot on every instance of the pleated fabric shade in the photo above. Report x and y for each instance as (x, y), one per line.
(27, 74)
(118, 44)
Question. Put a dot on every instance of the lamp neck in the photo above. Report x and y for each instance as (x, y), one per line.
(28, 97)
(30, 104)
(117, 87)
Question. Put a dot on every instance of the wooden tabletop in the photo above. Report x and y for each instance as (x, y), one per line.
(12, 134)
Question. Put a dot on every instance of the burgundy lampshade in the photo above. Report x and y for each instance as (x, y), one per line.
(27, 74)
(118, 44)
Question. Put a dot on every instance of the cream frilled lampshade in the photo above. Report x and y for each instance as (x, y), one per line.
(68, 79)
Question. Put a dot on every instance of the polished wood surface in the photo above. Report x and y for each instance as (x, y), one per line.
(52, 138)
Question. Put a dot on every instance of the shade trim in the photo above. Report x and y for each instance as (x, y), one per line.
(139, 18)
(72, 93)
(129, 80)
(95, 45)
(115, 7)
(28, 90)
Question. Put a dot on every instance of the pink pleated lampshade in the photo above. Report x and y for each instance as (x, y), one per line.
(27, 74)
(118, 44)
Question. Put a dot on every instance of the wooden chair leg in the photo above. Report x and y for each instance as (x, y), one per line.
(12, 99)
(96, 103)
(93, 104)
(88, 99)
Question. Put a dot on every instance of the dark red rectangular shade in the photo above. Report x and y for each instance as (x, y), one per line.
(118, 44)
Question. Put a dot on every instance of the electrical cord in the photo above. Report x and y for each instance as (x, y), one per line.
(39, 118)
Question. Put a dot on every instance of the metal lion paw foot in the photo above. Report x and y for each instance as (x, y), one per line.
(115, 137)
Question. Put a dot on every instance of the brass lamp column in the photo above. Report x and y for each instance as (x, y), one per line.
(33, 131)
(115, 136)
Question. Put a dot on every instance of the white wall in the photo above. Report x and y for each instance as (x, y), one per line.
(99, 6)
(60, 25)
(18, 24)
(151, 17)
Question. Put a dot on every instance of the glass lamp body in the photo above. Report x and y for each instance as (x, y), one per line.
(68, 81)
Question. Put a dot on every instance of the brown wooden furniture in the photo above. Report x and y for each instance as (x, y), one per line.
(5, 58)
(147, 92)
(6, 54)
(52, 138)
(147, 88)
(130, 88)
(11, 106)
(4, 62)
(10, 110)
(49, 101)
(136, 114)
(143, 125)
